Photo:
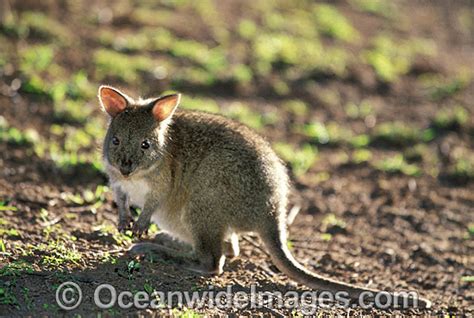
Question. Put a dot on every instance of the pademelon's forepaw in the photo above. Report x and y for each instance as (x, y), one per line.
(125, 224)
(140, 227)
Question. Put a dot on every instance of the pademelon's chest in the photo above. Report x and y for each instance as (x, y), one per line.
(136, 190)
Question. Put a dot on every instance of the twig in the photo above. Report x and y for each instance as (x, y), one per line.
(254, 244)
(292, 214)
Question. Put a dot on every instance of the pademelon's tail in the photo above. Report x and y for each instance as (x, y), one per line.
(275, 241)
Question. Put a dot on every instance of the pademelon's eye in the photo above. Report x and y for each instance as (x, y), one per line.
(115, 141)
(145, 144)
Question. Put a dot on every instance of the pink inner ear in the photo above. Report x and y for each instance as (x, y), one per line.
(165, 106)
(113, 102)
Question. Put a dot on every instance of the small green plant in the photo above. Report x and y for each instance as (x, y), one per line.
(361, 155)
(330, 133)
(451, 118)
(332, 224)
(122, 66)
(303, 57)
(361, 110)
(247, 29)
(3, 247)
(133, 266)
(296, 107)
(186, 313)
(14, 136)
(397, 134)
(109, 230)
(392, 59)
(247, 116)
(16, 268)
(397, 164)
(37, 24)
(331, 22)
(462, 168)
(10, 232)
(360, 141)
(300, 159)
(467, 279)
(197, 103)
(4, 206)
(417, 153)
(7, 294)
(35, 59)
(326, 237)
(379, 7)
(440, 88)
(470, 229)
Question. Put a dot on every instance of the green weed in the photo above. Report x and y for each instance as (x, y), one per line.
(7, 294)
(302, 56)
(35, 59)
(109, 230)
(124, 67)
(462, 168)
(14, 136)
(16, 268)
(417, 153)
(440, 87)
(467, 279)
(378, 7)
(361, 155)
(360, 141)
(450, 118)
(197, 103)
(186, 313)
(296, 107)
(247, 116)
(399, 134)
(361, 110)
(392, 59)
(330, 133)
(4, 206)
(300, 159)
(36, 24)
(331, 22)
(397, 164)
(332, 224)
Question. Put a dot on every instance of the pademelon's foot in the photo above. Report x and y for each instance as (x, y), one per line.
(141, 226)
(125, 223)
(203, 270)
(147, 248)
(208, 266)
(231, 247)
(165, 239)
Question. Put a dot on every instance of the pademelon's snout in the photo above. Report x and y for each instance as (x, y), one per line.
(126, 167)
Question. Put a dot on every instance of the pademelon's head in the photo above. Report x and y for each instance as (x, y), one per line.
(136, 134)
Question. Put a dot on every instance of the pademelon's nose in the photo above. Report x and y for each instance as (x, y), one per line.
(125, 167)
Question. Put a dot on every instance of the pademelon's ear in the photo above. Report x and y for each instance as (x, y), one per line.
(112, 100)
(165, 106)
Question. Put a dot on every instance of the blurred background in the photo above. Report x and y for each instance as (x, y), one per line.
(370, 103)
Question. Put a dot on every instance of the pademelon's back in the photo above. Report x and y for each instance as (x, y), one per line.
(231, 162)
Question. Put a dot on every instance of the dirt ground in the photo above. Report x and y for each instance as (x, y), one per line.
(360, 221)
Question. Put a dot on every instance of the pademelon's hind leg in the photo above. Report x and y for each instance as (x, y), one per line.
(165, 239)
(231, 246)
(208, 252)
